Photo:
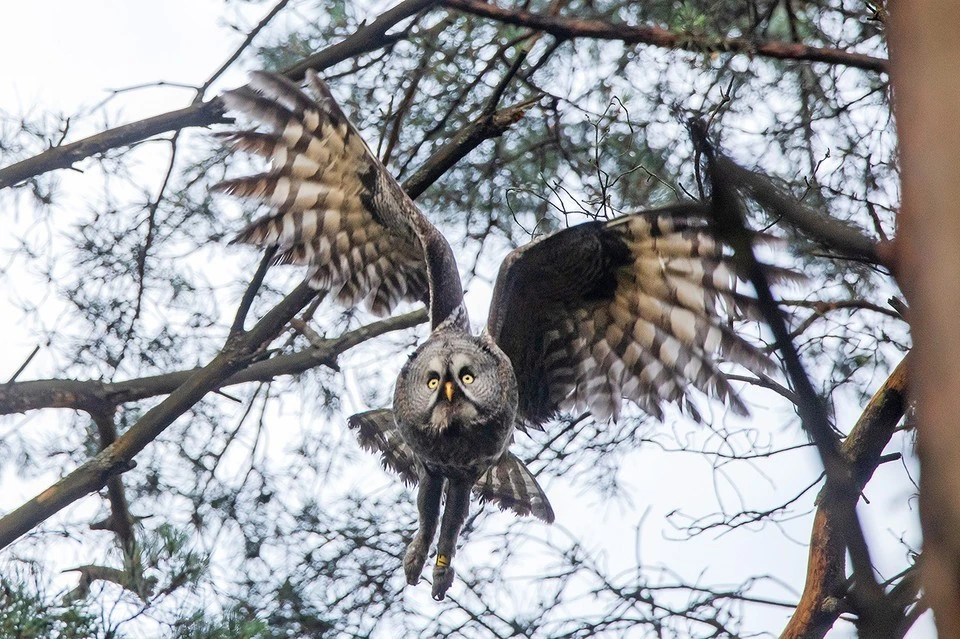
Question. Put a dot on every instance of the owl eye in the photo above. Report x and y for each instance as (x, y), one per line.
(466, 377)
(433, 382)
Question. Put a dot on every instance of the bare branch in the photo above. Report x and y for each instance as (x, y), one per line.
(367, 38)
(89, 395)
(822, 307)
(118, 457)
(251, 293)
(483, 128)
(65, 156)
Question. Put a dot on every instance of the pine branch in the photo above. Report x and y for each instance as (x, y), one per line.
(571, 28)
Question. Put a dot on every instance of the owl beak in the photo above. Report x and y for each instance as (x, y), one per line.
(448, 390)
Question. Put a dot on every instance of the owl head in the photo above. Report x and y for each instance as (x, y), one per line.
(456, 381)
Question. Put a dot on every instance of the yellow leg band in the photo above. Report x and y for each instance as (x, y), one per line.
(443, 561)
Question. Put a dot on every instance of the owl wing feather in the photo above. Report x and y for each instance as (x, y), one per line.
(509, 483)
(335, 207)
(377, 432)
(635, 308)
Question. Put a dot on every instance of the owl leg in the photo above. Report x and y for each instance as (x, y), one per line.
(428, 505)
(454, 514)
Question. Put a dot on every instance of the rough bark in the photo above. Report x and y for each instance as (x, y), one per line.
(824, 593)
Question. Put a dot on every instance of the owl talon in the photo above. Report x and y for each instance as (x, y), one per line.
(413, 562)
(442, 580)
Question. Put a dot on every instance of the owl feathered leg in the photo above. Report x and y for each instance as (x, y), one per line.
(454, 514)
(428, 506)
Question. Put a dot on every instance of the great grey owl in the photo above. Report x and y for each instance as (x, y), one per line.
(636, 308)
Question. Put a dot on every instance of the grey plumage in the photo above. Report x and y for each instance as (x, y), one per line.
(508, 484)
(334, 206)
(637, 308)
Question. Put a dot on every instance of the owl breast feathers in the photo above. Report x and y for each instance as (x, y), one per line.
(635, 309)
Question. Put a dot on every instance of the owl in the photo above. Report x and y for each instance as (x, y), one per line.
(633, 309)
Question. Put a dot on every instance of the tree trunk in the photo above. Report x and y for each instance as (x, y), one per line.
(926, 55)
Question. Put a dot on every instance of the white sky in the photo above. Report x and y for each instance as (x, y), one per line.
(77, 50)
(61, 55)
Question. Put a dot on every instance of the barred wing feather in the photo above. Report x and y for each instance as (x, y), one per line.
(335, 208)
(638, 308)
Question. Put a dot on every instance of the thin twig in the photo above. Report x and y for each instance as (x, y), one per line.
(26, 362)
(251, 293)
(240, 49)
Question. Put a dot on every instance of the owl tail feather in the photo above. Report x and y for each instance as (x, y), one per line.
(512, 486)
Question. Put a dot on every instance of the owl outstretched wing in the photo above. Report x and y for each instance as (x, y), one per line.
(636, 308)
(335, 207)
(509, 483)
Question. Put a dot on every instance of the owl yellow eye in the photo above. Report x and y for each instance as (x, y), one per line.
(433, 382)
(466, 378)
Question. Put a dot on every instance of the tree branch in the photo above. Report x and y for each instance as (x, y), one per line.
(570, 28)
(367, 38)
(824, 228)
(62, 157)
(87, 395)
(822, 600)
(118, 457)
(251, 293)
(487, 126)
